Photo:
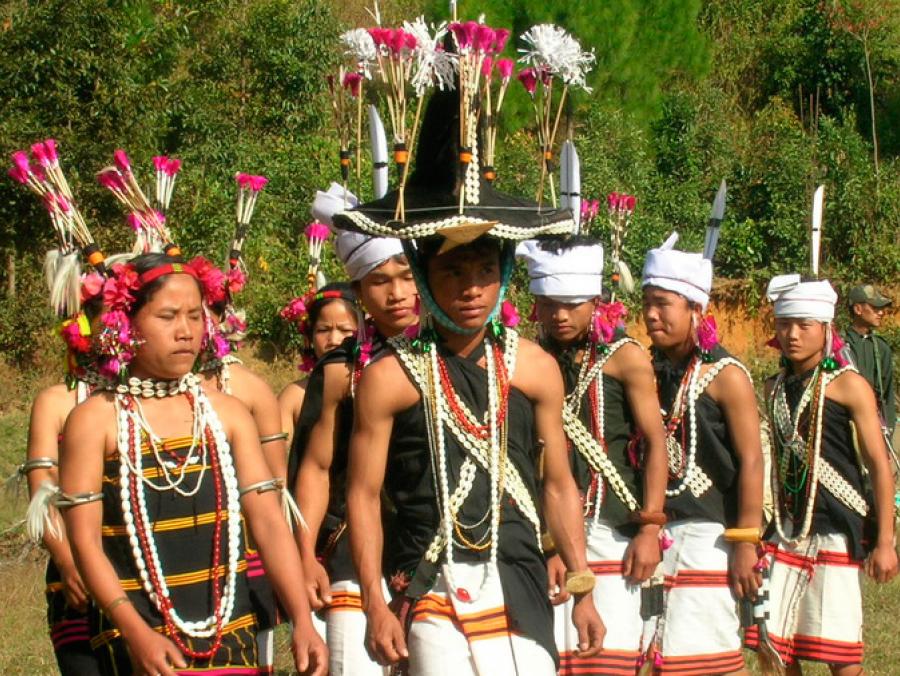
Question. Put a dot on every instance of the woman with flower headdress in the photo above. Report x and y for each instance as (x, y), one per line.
(610, 400)
(715, 490)
(325, 318)
(828, 526)
(381, 278)
(159, 477)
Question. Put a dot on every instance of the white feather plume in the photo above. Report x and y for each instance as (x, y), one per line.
(41, 513)
(361, 48)
(65, 293)
(552, 49)
(435, 67)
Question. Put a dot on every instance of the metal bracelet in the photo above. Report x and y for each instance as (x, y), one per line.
(273, 437)
(265, 486)
(44, 462)
(66, 500)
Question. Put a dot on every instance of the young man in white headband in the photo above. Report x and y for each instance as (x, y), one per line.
(714, 495)
(827, 525)
(617, 446)
(383, 281)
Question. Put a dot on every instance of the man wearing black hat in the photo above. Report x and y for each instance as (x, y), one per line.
(871, 353)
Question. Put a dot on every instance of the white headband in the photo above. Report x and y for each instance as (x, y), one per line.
(682, 272)
(574, 275)
(802, 300)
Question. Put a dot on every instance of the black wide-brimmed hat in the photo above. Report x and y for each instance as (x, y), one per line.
(432, 194)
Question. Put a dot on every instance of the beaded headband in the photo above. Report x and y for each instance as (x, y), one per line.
(167, 269)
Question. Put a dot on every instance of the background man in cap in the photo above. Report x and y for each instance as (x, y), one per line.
(871, 353)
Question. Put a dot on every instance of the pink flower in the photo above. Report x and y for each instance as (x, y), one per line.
(509, 315)
(486, 66)
(317, 231)
(629, 202)
(410, 41)
(379, 35)
(471, 29)
(528, 78)
(50, 150)
(111, 179)
(352, 83)
(212, 279)
(221, 346)
(134, 221)
(119, 288)
(173, 166)
(20, 160)
(484, 38)
(294, 310)
(91, 285)
(257, 183)
(39, 153)
(607, 319)
(585, 210)
(160, 162)
(595, 208)
(235, 280)
(459, 32)
(501, 35)
(16, 174)
(612, 201)
(122, 161)
(71, 335)
(665, 540)
(243, 180)
(837, 345)
(505, 68)
(707, 333)
(109, 368)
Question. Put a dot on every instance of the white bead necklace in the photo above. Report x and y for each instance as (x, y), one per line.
(131, 456)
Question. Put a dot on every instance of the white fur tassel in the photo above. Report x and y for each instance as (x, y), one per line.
(292, 513)
(65, 293)
(41, 511)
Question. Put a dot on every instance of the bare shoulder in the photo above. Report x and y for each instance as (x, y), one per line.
(293, 391)
(96, 412)
(850, 389)
(629, 360)
(731, 383)
(537, 374)
(245, 378)
(54, 400)
(386, 385)
(227, 405)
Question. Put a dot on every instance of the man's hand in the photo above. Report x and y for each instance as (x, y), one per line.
(591, 630)
(152, 654)
(642, 555)
(385, 639)
(742, 575)
(318, 588)
(310, 653)
(881, 565)
(556, 573)
(73, 588)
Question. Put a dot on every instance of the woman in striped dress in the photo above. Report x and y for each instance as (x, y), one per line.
(158, 481)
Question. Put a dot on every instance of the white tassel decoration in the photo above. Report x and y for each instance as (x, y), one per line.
(292, 513)
(41, 511)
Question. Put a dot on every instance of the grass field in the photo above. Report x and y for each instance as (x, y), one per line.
(25, 646)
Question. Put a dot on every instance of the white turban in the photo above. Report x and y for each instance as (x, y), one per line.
(359, 253)
(802, 300)
(573, 275)
(689, 274)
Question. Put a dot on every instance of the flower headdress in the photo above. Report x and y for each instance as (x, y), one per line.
(148, 221)
(298, 311)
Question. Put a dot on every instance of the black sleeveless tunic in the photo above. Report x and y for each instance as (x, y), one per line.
(715, 451)
(618, 428)
(830, 515)
(410, 485)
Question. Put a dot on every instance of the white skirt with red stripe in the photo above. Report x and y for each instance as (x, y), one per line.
(815, 601)
(345, 633)
(618, 603)
(452, 637)
(698, 632)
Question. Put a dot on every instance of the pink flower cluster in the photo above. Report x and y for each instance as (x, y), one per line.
(509, 315)
(250, 182)
(608, 317)
(620, 202)
(504, 67)
(44, 153)
(74, 338)
(471, 35)
(352, 82)
(24, 169)
(120, 157)
(91, 286)
(529, 78)
(296, 311)
(396, 40)
(116, 344)
(120, 287)
(365, 348)
(218, 286)
(316, 231)
(589, 210)
(707, 333)
(112, 179)
(169, 166)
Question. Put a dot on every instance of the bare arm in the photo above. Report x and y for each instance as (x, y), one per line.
(258, 397)
(632, 366)
(538, 376)
(853, 392)
(313, 478)
(733, 391)
(290, 401)
(383, 391)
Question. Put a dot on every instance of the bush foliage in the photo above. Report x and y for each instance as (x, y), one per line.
(685, 93)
